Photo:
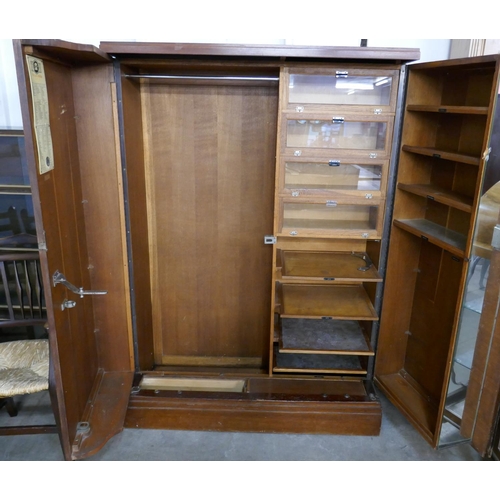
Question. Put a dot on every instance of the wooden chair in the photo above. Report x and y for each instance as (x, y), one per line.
(21, 292)
(24, 364)
(24, 369)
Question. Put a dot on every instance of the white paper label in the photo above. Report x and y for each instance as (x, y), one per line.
(43, 136)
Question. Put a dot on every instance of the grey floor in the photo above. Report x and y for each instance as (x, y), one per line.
(397, 441)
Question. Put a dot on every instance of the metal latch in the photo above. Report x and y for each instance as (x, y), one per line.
(68, 304)
(495, 242)
(269, 240)
(60, 278)
(364, 257)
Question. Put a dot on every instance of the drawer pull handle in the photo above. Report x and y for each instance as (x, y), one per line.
(338, 119)
(334, 163)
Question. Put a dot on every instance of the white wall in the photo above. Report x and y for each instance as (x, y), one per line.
(10, 112)
(10, 109)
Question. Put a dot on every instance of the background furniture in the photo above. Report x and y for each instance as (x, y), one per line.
(21, 291)
(24, 369)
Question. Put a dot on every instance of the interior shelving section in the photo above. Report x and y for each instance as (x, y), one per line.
(325, 311)
(436, 234)
(444, 144)
(332, 169)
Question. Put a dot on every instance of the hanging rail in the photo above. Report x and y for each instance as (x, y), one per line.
(214, 78)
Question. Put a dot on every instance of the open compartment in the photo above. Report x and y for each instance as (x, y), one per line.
(444, 134)
(320, 364)
(326, 301)
(449, 87)
(424, 284)
(324, 336)
(451, 183)
(200, 145)
(315, 266)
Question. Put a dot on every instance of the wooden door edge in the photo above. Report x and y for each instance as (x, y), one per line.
(108, 403)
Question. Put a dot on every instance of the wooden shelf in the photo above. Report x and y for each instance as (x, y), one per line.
(462, 110)
(326, 301)
(327, 266)
(438, 235)
(445, 155)
(318, 363)
(316, 336)
(436, 193)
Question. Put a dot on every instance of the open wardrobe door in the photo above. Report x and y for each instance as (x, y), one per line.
(68, 106)
(438, 341)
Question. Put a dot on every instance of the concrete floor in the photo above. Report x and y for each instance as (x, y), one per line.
(398, 441)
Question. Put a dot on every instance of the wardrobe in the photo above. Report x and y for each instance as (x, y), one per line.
(245, 237)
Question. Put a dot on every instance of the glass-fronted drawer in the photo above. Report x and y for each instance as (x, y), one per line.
(365, 137)
(330, 219)
(372, 90)
(364, 178)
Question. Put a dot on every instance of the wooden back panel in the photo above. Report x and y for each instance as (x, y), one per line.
(210, 153)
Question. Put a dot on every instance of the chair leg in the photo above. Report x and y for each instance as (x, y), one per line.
(10, 406)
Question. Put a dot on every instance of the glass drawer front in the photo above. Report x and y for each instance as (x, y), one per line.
(340, 89)
(329, 218)
(332, 175)
(323, 134)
